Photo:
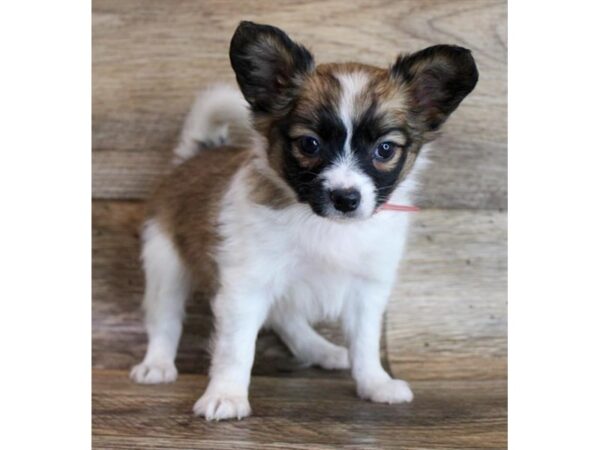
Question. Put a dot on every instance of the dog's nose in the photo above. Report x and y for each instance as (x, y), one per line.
(345, 200)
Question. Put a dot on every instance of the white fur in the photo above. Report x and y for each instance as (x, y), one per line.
(352, 85)
(208, 123)
(167, 287)
(282, 269)
(344, 175)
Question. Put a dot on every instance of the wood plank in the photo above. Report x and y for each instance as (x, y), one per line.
(446, 319)
(447, 315)
(300, 414)
(150, 57)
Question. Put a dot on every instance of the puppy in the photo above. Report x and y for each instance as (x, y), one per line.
(275, 205)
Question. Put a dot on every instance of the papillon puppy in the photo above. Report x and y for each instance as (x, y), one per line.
(277, 204)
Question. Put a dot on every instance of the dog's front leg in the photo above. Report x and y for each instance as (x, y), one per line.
(362, 319)
(238, 317)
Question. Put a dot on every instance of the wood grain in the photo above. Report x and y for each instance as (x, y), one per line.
(447, 315)
(150, 57)
(299, 413)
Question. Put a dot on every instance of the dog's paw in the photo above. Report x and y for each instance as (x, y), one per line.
(154, 373)
(388, 391)
(222, 406)
(336, 358)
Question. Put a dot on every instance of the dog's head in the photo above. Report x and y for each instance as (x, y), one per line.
(344, 136)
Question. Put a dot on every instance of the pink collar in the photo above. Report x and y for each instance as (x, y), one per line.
(399, 208)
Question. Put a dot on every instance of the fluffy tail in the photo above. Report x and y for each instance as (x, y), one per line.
(219, 116)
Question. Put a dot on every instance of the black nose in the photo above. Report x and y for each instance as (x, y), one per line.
(345, 200)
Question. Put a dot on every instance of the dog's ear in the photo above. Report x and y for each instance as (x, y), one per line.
(268, 65)
(438, 79)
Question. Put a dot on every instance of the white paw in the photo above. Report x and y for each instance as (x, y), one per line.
(388, 391)
(153, 373)
(221, 406)
(335, 359)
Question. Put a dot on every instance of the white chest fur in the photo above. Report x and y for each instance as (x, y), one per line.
(301, 261)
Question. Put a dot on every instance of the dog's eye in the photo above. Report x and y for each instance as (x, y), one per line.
(309, 145)
(385, 151)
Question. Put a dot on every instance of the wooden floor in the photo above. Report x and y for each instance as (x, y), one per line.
(445, 330)
(299, 413)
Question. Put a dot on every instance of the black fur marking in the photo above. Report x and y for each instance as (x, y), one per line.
(439, 78)
(267, 65)
(367, 131)
(325, 122)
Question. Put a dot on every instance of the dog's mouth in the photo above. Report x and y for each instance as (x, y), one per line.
(340, 205)
(328, 210)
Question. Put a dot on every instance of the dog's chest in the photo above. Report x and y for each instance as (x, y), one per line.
(313, 250)
(313, 265)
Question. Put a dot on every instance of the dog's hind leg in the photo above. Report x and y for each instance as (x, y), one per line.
(167, 287)
(307, 345)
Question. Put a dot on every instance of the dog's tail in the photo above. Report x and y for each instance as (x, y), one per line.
(220, 116)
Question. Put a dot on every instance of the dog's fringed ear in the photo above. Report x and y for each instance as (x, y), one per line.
(438, 79)
(268, 66)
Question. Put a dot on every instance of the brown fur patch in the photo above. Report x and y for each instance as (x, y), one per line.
(266, 192)
(411, 157)
(320, 88)
(381, 89)
(186, 204)
(391, 98)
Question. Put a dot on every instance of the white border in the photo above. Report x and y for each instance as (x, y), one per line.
(45, 190)
(554, 228)
(553, 224)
